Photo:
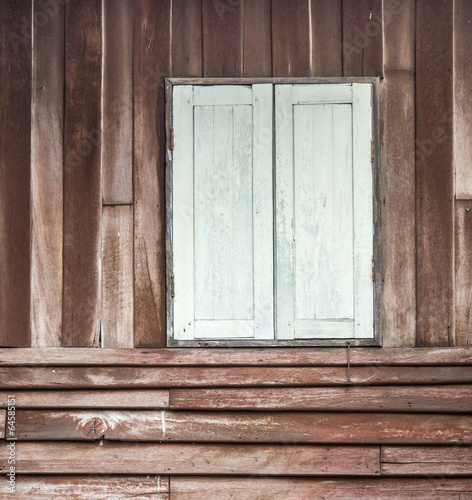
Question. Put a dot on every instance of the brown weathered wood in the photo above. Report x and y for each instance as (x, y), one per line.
(151, 64)
(434, 173)
(422, 460)
(15, 173)
(2, 423)
(239, 376)
(397, 202)
(139, 458)
(117, 168)
(256, 38)
(93, 487)
(291, 50)
(47, 179)
(135, 399)
(249, 488)
(233, 357)
(187, 38)
(82, 173)
(117, 276)
(362, 38)
(244, 427)
(462, 99)
(463, 272)
(445, 399)
(326, 32)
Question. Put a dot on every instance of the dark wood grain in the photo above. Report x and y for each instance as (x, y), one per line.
(256, 35)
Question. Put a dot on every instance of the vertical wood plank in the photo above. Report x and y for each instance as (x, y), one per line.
(117, 168)
(186, 38)
(82, 176)
(117, 277)
(463, 272)
(47, 179)
(362, 38)
(222, 47)
(291, 39)
(256, 35)
(462, 98)
(151, 53)
(15, 172)
(326, 33)
(434, 173)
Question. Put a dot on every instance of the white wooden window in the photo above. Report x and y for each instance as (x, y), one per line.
(271, 212)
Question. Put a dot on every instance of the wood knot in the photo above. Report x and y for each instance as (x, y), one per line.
(95, 428)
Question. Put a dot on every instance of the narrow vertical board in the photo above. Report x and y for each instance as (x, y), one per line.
(82, 176)
(397, 198)
(47, 179)
(291, 38)
(117, 169)
(463, 273)
(117, 276)
(462, 98)
(151, 55)
(15, 172)
(362, 38)
(186, 38)
(434, 173)
(257, 50)
(326, 36)
(222, 47)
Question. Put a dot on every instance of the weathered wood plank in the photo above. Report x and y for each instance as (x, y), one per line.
(151, 63)
(82, 174)
(163, 377)
(256, 38)
(448, 399)
(397, 200)
(139, 458)
(249, 488)
(362, 38)
(462, 272)
(421, 460)
(117, 154)
(233, 357)
(93, 487)
(291, 48)
(15, 173)
(244, 427)
(434, 173)
(221, 31)
(135, 399)
(47, 179)
(117, 276)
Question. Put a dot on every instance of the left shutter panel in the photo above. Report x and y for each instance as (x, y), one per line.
(222, 215)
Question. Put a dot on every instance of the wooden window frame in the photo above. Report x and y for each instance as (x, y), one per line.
(376, 341)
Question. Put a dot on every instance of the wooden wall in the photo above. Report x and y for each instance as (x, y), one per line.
(82, 151)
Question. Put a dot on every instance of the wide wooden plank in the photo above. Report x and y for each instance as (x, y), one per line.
(93, 487)
(249, 488)
(82, 174)
(242, 357)
(244, 427)
(147, 377)
(47, 179)
(117, 141)
(292, 45)
(221, 31)
(421, 460)
(135, 399)
(434, 173)
(151, 63)
(462, 272)
(15, 173)
(139, 458)
(117, 276)
(362, 38)
(452, 398)
(256, 38)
